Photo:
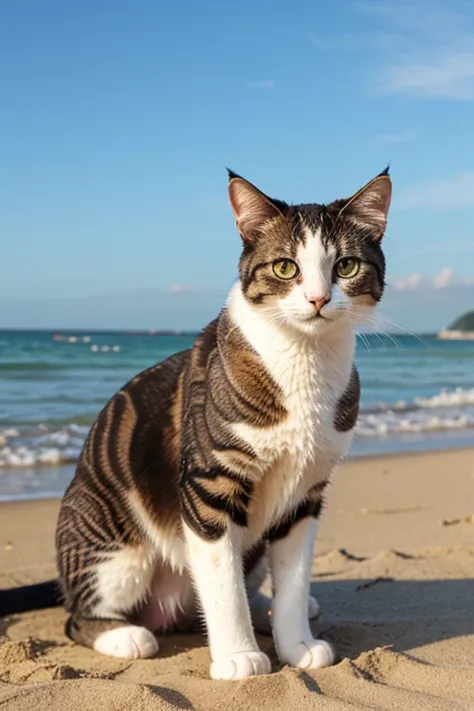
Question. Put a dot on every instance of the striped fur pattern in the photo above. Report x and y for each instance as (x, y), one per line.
(211, 466)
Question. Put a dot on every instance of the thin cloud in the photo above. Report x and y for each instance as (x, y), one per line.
(392, 138)
(408, 283)
(449, 77)
(446, 278)
(262, 84)
(434, 54)
(188, 289)
(427, 18)
(447, 193)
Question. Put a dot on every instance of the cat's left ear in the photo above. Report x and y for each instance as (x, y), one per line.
(369, 206)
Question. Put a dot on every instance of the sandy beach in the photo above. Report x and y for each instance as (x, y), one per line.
(393, 571)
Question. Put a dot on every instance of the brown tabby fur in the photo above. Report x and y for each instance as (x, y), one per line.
(163, 446)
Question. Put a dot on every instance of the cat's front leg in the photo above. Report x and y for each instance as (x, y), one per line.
(290, 561)
(217, 570)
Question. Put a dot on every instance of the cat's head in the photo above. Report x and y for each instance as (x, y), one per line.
(307, 266)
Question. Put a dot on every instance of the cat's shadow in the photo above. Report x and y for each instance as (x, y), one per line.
(359, 615)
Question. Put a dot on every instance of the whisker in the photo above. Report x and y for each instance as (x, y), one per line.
(391, 338)
(364, 340)
(378, 336)
(401, 326)
(369, 319)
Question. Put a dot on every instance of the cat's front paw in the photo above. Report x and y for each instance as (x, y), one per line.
(314, 654)
(240, 666)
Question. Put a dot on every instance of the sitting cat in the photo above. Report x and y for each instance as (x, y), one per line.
(209, 466)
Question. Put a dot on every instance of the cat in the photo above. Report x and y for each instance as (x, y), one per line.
(208, 469)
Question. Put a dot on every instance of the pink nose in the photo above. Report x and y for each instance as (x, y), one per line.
(318, 301)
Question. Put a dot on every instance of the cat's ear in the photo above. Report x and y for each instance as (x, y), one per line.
(369, 206)
(250, 206)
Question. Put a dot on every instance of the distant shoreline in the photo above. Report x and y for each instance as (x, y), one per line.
(154, 332)
(100, 332)
(453, 335)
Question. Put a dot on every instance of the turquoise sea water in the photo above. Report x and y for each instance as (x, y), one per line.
(416, 394)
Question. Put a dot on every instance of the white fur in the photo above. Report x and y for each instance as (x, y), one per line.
(313, 374)
(290, 560)
(155, 570)
(316, 263)
(130, 642)
(165, 542)
(313, 608)
(124, 580)
(241, 665)
(137, 578)
(218, 576)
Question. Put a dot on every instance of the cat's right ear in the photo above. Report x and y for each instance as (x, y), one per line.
(250, 206)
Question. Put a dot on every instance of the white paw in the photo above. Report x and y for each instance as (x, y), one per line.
(130, 642)
(309, 655)
(241, 665)
(313, 608)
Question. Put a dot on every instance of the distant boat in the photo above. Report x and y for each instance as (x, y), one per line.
(462, 329)
(71, 339)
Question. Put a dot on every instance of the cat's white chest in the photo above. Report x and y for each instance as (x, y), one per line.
(304, 447)
(308, 397)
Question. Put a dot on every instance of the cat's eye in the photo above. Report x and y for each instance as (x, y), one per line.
(347, 268)
(285, 269)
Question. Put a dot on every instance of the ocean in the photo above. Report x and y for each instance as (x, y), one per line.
(417, 394)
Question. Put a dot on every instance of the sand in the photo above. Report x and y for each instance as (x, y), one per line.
(393, 571)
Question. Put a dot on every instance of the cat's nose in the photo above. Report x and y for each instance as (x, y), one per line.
(318, 301)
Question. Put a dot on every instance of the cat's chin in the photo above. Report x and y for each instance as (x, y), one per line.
(314, 326)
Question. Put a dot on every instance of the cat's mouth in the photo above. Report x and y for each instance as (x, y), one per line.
(318, 316)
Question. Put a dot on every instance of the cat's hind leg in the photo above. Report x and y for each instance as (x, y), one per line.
(116, 638)
(103, 599)
(165, 601)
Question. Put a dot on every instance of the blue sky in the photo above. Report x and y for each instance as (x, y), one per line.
(117, 120)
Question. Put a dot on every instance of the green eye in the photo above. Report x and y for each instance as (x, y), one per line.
(347, 268)
(285, 269)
